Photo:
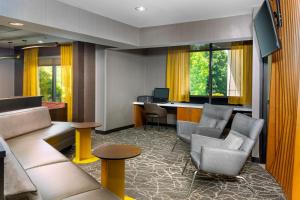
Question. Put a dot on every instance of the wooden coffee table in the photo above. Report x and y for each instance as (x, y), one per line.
(83, 145)
(113, 158)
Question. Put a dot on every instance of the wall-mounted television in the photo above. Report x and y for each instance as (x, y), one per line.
(265, 28)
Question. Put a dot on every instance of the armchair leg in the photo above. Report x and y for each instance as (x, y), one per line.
(174, 144)
(186, 163)
(191, 187)
(247, 183)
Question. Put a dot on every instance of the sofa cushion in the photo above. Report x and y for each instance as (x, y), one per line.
(16, 181)
(61, 180)
(23, 121)
(32, 152)
(99, 194)
(232, 142)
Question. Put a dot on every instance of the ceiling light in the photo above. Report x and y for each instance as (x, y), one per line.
(140, 8)
(16, 24)
(40, 41)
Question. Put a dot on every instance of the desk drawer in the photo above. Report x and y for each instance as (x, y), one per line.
(189, 114)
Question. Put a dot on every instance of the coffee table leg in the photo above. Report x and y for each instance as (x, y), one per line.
(83, 147)
(113, 177)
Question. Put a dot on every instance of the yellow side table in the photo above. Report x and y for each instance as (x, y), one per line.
(113, 158)
(83, 144)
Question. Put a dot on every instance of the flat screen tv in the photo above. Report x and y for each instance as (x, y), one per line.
(265, 29)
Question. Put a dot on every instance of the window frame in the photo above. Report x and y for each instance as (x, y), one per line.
(222, 100)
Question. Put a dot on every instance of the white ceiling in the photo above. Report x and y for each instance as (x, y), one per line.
(12, 37)
(162, 12)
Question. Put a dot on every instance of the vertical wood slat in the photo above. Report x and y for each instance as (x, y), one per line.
(283, 150)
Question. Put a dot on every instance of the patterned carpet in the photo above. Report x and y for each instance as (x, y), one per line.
(156, 173)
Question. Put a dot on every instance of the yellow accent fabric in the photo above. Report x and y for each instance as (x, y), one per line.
(178, 74)
(30, 74)
(240, 78)
(66, 61)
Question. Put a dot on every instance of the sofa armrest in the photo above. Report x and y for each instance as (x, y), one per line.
(2, 156)
(222, 161)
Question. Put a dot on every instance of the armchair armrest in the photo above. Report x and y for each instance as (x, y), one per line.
(185, 130)
(210, 132)
(198, 141)
(222, 161)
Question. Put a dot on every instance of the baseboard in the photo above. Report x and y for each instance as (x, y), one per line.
(113, 130)
(255, 160)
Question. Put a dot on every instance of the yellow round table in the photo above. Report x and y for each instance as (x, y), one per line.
(113, 158)
(83, 143)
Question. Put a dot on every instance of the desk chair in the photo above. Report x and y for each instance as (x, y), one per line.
(226, 157)
(213, 121)
(153, 111)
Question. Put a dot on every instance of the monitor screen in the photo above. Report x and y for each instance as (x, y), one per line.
(161, 93)
(266, 30)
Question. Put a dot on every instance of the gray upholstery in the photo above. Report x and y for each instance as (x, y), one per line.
(30, 119)
(16, 181)
(213, 121)
(212, 155)
(54, 176)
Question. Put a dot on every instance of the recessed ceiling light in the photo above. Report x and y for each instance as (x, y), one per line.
(140, 8)
(16, 24)
(40, 41)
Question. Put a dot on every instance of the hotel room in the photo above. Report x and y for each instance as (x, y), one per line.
(149, 99)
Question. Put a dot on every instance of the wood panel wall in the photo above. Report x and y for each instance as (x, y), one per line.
(283, 160)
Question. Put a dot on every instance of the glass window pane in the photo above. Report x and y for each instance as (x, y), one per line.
(58, 84)
(220, 63)
(199, 73)
(45, 82)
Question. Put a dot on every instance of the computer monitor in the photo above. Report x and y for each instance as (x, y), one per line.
(161, 95)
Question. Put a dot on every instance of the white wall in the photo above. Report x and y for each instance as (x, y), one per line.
(155, 62)
(7, 70)
(227, 29)
(100, 87)
(256, 84)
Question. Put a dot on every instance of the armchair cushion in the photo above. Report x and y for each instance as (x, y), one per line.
(232, 142)
(208, 122)
(222, 161)
(209, 132)
(17, 184)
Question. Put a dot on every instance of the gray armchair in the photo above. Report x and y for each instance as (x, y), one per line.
(226, 157)
(213, 121)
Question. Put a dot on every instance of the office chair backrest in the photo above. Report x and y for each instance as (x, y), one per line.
(215, 116)
(152, 108)
(248, 128)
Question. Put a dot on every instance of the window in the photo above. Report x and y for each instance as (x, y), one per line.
(50, 83)
(221, 73)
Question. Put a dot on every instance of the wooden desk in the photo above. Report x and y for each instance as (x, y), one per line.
(113, 166)
(184, 111)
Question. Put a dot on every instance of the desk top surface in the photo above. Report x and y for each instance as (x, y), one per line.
(116, 151)
(193, 105)
(83, 125)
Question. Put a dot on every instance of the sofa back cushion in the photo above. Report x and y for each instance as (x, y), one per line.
(16, 181)
(23, 121)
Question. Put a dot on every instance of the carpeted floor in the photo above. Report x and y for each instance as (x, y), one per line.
(156, 173)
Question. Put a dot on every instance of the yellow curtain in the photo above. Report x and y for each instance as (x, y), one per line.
(30, 74)
(178, 75)
(240, 74)
(66, 62)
